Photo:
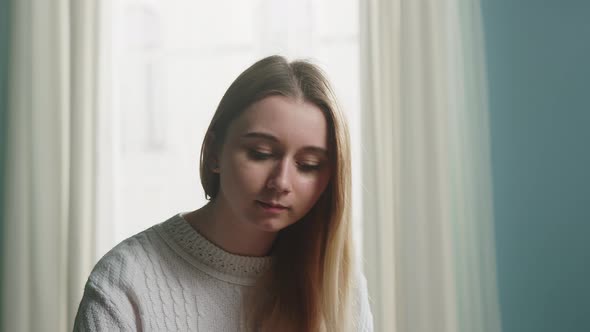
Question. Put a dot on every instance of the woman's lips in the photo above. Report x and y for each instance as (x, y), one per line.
(271, 207)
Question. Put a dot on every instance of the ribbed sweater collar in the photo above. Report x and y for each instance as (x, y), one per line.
(208, 257)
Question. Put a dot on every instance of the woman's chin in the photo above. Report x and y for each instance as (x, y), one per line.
(271, 225)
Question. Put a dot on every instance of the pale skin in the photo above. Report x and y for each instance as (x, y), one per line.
(273, 167)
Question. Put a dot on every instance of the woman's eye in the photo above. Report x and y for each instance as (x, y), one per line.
(258, 155)
(309, 167)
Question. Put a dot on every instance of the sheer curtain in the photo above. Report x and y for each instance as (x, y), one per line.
(428, 223)
(49, 191)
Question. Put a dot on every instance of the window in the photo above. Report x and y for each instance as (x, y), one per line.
(170, 63)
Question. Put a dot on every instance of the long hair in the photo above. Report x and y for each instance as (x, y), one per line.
(307, 287)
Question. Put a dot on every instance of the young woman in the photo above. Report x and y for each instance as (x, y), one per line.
(272, 250)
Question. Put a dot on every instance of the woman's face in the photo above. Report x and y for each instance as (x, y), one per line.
(274, 162)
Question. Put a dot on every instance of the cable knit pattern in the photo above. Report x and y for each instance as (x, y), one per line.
(171, 278)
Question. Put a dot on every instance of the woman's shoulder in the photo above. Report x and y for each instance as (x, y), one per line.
(130, 258)
(117, 281)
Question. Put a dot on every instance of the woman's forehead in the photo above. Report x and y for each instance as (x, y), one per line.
(285, 119)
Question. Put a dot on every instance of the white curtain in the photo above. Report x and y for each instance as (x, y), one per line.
(428, 219)
(49, 197)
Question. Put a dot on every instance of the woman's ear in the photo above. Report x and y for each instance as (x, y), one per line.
(215, 164)
(213, 158)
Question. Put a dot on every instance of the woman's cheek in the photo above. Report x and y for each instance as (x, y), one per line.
(253, 173)
(311, 189)
(317, 182)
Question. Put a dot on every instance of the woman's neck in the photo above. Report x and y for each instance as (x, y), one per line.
(218, 225)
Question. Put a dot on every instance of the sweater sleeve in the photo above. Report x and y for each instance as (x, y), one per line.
(98, 312)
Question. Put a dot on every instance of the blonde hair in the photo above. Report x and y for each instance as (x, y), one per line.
(307, 288)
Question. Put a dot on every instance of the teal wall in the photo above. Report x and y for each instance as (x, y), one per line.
(538, 58)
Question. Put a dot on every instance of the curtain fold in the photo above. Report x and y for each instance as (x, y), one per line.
(49, 191)
(4, 43)
(428, 221)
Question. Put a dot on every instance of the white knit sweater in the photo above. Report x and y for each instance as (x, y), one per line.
(170, 278)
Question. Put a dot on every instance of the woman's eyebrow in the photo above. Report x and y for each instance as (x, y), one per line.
(272, 138)
(315, 149)
(261, 135)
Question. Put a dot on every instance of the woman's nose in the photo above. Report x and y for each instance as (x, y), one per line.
(279, 180)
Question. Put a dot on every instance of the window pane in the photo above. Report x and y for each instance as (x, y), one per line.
(171, 63)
